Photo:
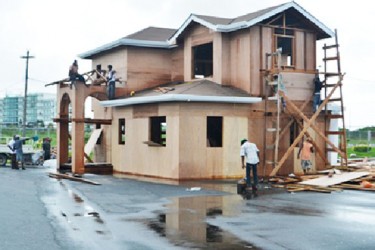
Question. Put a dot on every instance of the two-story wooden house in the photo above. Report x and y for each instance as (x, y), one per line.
(190, 95)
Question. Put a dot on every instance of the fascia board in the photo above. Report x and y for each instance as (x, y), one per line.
(179, 98)
(245, 24)
(126, 42)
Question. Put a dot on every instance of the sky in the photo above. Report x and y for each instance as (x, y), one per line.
(55, 32)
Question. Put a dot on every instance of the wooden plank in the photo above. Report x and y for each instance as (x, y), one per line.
(84, 120)
(92, 141)
(73, 178)
(317, 149)
(326, 181)
(291, 105)
(299, 137)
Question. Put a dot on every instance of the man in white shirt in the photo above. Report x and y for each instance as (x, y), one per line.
(251, 152)
(111, 77)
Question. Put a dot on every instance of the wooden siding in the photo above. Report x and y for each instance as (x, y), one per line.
(300, 50)
(299, 86)
(240, 60)
(310, 51)
(255, 62)
(118, 59)
(148, 67)
(177, 64)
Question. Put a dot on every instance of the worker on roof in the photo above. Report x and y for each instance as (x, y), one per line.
(111, 77)
(74, 75)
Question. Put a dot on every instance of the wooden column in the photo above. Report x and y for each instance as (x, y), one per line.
(62, 128)
(78, 128)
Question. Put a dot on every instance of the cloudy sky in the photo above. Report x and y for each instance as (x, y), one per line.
(57, 31)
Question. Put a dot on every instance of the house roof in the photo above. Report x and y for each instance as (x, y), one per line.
(164, 38)
(149, 37)
(197, 91)
(248, 20)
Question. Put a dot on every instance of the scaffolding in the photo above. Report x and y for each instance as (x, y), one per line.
(332, 82)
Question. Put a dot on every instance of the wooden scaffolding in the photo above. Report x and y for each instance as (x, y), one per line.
(282, 106)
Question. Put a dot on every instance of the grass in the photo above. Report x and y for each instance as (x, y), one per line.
(370, 154)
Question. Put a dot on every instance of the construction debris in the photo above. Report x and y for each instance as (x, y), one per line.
(359, 176)
(163, 89)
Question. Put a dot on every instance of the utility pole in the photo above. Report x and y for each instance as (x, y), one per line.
(27, 57)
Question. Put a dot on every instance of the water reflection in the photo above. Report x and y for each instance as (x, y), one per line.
(184, 223)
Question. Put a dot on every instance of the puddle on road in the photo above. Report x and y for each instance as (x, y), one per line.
(184, 223)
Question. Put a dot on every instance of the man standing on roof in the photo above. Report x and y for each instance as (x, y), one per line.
(251, 152)
(111, 77)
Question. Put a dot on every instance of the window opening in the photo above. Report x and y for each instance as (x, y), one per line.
(158, 131)
(99, 141)
(121, 131)
(214, 131)
(203, 60)
(285, 43)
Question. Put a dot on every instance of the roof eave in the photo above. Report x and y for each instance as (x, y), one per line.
(126, 42)
(179, 98)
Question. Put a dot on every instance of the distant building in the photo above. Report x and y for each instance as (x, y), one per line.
(41, 108)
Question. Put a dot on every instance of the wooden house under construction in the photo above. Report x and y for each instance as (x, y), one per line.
(188, 96)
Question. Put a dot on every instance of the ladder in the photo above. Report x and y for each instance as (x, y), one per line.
(271, 137)
(332, 75)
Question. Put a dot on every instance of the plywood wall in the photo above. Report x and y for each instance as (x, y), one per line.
(240, 60)
(310, 51)
(186, 155)
(177, 64)
(299, 86)
(148, 67)
(118, 59)
(300, 60)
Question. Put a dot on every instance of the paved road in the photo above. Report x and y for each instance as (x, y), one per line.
(39, 212)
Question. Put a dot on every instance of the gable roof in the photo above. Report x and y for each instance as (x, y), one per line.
(149, 37)
(197, 91)
(165, 38)
(248, 20)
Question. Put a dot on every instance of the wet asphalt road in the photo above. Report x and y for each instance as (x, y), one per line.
(39, 212)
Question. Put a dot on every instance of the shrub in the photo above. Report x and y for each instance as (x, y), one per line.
(361, 148)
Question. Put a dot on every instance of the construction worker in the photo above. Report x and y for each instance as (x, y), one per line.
(47, 148)
(251, 152)
(317, 87)
(74, 75)
(13, 152)
(111, 77)
(17, 146)
(304, 153)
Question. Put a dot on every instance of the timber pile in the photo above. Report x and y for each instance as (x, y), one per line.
(359, 177)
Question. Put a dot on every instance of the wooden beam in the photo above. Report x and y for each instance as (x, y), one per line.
(285, 129)
(84, 120)
(318, 150)
(300, 136)
(291, 104)
(73, 178)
